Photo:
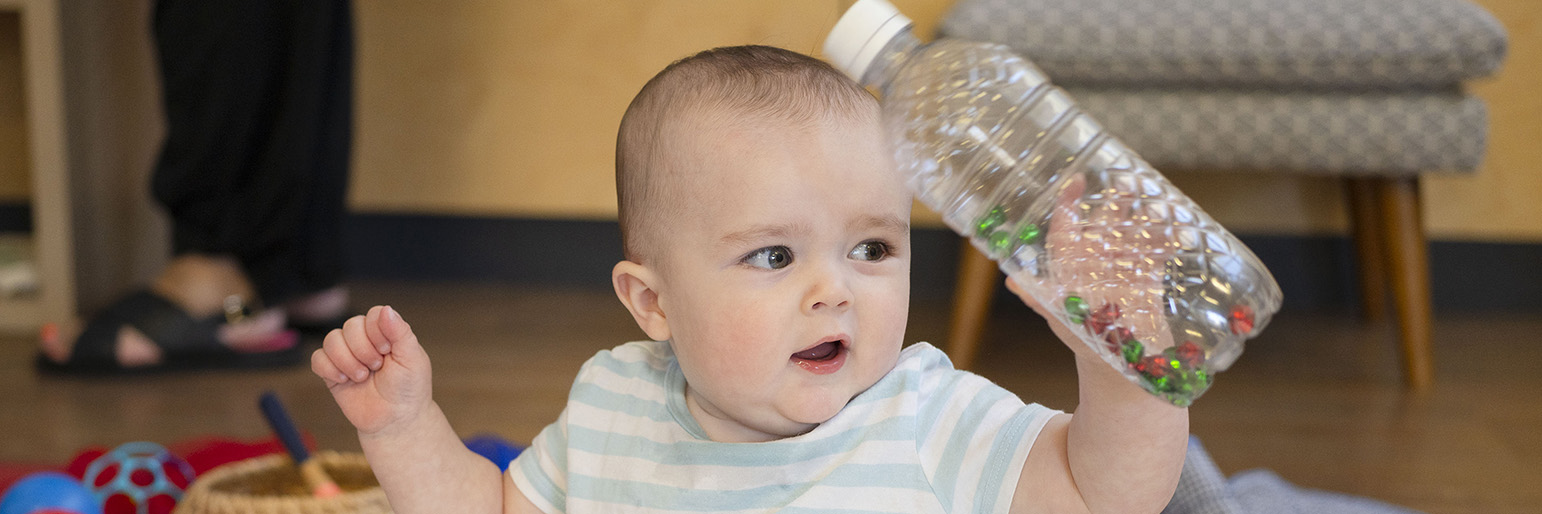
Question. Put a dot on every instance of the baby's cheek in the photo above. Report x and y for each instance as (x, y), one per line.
(888, 313)
(743, 343)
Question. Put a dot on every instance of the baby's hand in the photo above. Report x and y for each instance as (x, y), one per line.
(377, 372)
(1095, 252)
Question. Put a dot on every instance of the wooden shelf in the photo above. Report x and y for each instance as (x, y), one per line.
(52, 243)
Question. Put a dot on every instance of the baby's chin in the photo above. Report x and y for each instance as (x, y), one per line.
(816, 410)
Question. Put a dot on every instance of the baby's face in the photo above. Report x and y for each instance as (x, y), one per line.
(786, 285)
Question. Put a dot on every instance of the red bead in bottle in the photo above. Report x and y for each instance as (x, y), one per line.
(1241, 319)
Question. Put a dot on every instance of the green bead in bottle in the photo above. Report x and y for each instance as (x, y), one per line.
(990, 221)
(1132, 351)
(1029, 234)
(1001, 243)
(1076, 308)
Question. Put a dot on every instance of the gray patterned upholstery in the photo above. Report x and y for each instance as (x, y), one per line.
(1293, 43)
(1309, 86)
(1384, 134)
(1203, 489)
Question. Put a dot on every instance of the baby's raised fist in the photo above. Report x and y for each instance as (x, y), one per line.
(375, 368)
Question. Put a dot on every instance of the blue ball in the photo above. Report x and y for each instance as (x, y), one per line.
(49, 490)
(495, 448)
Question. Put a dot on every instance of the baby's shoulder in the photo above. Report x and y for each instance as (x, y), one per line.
(927, 371)
(651, 352)
(920, 367)
(649, 360)
(923, 359)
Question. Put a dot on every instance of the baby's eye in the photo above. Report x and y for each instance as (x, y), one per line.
(770, 257)
(870, 251)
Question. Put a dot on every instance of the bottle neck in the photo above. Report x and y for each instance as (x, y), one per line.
(893, 58)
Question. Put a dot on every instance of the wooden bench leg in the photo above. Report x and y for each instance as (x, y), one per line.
(1365, 224)
(976, 287)
(1409, 272)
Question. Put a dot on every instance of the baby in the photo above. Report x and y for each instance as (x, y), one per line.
(767, 257)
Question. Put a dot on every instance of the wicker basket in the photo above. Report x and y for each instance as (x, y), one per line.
(272, 485)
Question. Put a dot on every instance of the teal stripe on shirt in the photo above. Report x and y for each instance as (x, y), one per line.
(708, 453)
(601, 398)
(885, 476)
(637, 494)
(999, 463)
(764, 497)
(804, 510)
(891, 476)
(644, 369)
(931, 410)
(958, 444)
(544, 486)
(555, 442)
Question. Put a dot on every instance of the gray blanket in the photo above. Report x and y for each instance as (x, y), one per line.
(1204, 490)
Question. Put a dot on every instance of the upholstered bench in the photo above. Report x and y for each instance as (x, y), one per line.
(1365, 89)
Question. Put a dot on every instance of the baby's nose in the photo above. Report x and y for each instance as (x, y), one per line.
(829, 291)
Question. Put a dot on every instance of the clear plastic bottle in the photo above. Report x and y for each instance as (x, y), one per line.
(1093, 233)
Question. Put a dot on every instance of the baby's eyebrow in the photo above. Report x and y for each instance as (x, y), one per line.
(890, 223)
(761, 233)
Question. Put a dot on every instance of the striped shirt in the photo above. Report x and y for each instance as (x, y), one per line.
(925, 438)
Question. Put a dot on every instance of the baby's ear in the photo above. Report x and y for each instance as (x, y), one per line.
(636, 287)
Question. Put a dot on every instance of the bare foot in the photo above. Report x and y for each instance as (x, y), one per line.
(201, 285)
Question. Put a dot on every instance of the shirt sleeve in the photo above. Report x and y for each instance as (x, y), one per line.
(973, 436)
(540, 471)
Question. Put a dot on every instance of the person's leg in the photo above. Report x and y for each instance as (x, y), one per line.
(282, 97)
(312, 138)
(253, 171)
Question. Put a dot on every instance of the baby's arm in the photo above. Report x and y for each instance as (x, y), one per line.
(1123, 449)
(380, 377)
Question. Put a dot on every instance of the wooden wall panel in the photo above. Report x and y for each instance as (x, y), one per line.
(1503, 202)
(511, 108)
(506, 108)
(499, 108)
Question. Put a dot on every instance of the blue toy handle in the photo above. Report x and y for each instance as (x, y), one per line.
(278, 418)
(321, 485)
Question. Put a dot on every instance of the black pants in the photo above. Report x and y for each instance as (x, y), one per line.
(258, 99)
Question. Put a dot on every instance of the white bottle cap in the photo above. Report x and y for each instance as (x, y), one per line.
(861, 33)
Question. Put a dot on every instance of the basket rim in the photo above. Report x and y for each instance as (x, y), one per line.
(202, 488)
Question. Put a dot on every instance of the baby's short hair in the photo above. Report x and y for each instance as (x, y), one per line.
(754, 83)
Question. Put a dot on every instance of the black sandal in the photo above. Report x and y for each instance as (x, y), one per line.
(316, 330)
(186, 343)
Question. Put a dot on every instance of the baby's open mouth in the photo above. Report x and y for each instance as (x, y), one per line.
(823, 352)
(823, 358)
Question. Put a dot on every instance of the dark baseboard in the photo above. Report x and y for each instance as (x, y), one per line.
(1316, 273)
(552, 252)
(15, 217)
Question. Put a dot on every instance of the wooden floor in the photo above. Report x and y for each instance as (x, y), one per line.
(1316, 399)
